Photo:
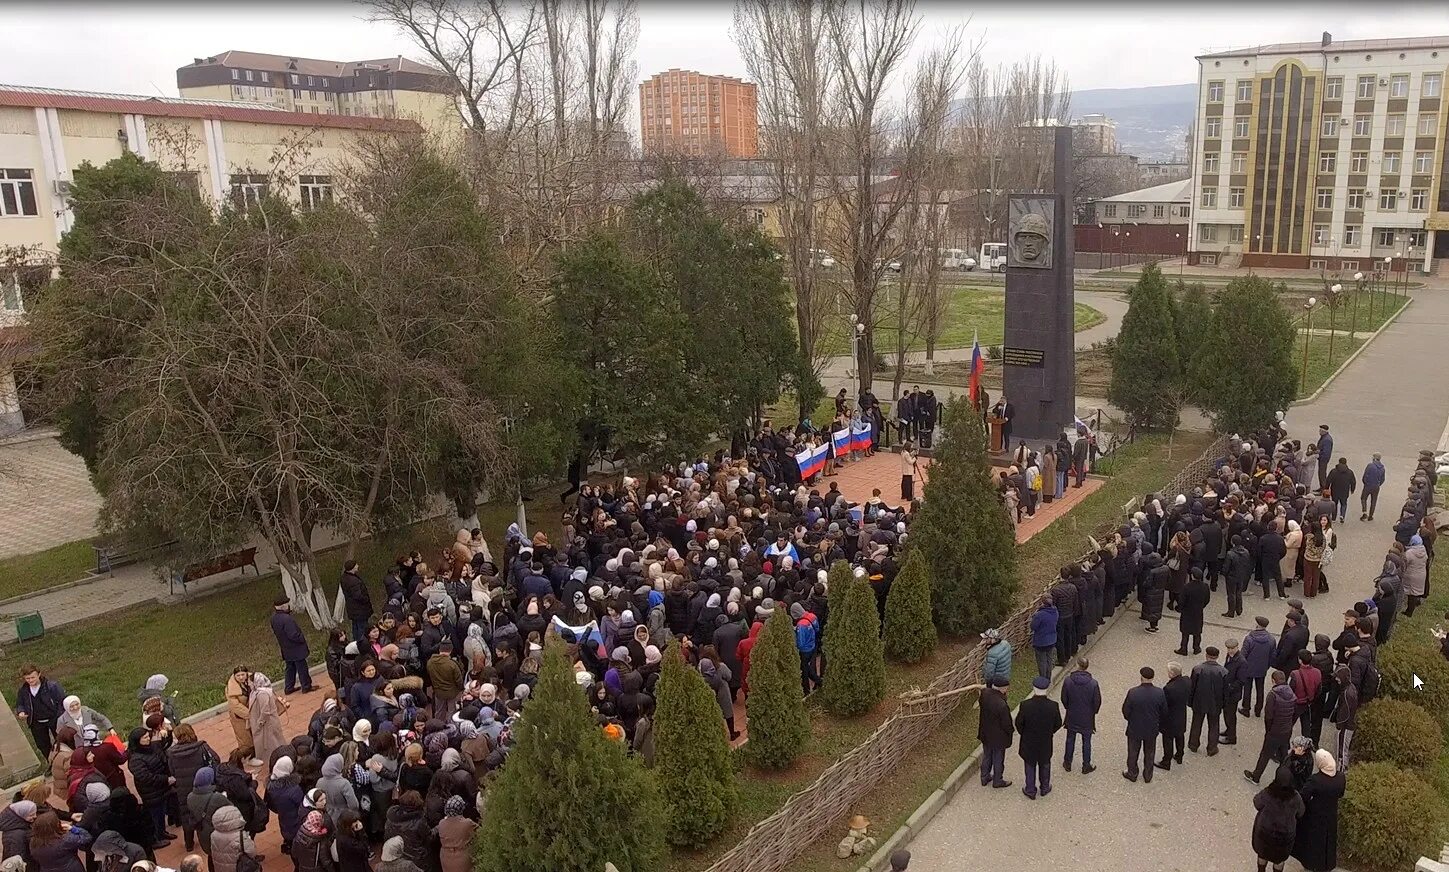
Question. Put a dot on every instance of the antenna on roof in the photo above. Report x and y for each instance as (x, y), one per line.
(1327, 38)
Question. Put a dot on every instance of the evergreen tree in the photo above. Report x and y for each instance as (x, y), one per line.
(692, 756)
(1192, 316)
(569, 799)
(1242, 394)
(1145, 363)
(909, 633)
(963, 532)
(841, 577)
(778, 723)
(855, 677)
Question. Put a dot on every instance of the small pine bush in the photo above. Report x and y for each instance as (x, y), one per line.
(692, 756)
(910, 636)
(778, 723)
(855, 660)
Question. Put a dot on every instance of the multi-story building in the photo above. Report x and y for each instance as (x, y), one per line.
(226, 149)
(1095, 134)
(1167, 203)
(688, 113)
(1324, 155)
(381, 88)
(1159, 171)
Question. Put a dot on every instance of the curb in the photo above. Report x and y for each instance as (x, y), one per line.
(1352, 357)
(54, 588)
(927, 810)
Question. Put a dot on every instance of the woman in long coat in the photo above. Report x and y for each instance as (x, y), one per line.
(1293, 541)
(264, 717)
(1316, 844)
(238, 700)
(1179, 553)
(1276, 825)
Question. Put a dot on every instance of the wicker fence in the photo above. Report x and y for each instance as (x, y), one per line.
(774, 842)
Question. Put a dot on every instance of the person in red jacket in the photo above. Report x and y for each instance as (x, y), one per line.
(742, 652)
(1307, 683)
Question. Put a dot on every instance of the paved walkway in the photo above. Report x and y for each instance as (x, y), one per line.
(46, 498)
(1199, 816)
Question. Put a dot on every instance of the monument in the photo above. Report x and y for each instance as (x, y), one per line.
(1038, 356)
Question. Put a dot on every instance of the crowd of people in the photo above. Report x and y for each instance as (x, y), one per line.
(1244, 524)
(428, 681)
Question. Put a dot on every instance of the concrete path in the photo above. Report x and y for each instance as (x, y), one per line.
(46, 498)
(1199, 816)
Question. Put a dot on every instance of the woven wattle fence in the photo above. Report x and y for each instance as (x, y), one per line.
(773, 843)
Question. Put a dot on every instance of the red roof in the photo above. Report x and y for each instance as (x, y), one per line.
(150, 106)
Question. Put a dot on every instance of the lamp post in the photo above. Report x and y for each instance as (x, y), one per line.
(1358, 290)
(1181, 256)
(1333, 293)
(1307, 338)
(857, 333)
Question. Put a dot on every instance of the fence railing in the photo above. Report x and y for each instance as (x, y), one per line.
(773, 843)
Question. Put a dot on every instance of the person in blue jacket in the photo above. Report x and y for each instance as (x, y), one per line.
(1372, 479)
(1258, 649)
(997, 664)
(1044, 636)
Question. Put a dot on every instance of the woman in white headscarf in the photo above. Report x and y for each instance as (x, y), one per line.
(1293, 541)
(1316, 843)
(265, 717)
(78, 717)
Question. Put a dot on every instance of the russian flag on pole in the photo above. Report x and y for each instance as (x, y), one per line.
(812, 461)
(978, 367)
(840, 442)
(860, 437)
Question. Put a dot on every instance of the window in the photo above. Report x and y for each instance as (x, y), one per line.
(1362, 125)
(1235, 233)
(1318, 263)
(1159, 211)
(1351, 234)
(1428, 124)
(1240, 127)
(1385, 239)
(324, 83)
(1423, 162)
(1388, 200)
(1358, 162)
(310, 82)
(1214, 128)
(1215, 92)
(1418, 238)
(1392, 161)
(1354, 202)
(1328, 162)
(1365, 87)
(249, 75)
(1350, 266)
(1207, 233)
(1419, 200)
(1235, 198)
(17, 194)
(1209, 198)
(1399, 85)
(1395, 125)
(1136, 210)
(294, 79)
(248, 188)
(236, 75)
(1110, 210)
(1324, 199)
(1184, 211)
(1245, 90)
(266, 77)
(1334, 88)
(1330, 127)
(1240, 162)
(1432, 84)
(1208, 260)
(1210, 163)
(1320, 234)
(315, 191)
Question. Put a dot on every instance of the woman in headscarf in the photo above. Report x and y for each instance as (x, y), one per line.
(15, 822)
(108, 760)
(264, 717)
(393, 859)
(203, 803)
(156, 689)
(124, 815)
(238, 702)
(78, 717)
(1275, 827)
(335, 784)
(455, 836)
(1316, 843)
(153, 779)
(61, 751)
(405, 820)
(284, 798)
(1293, 541)
(350, 845)
(311, 850)
(53, 848)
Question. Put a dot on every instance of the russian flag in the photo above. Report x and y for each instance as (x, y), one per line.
(860, 437)
(812, 461)
(840, 440)
(978, 367)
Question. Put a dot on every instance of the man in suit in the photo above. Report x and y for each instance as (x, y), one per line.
(1179, 693)
(994, 730)
(1208, 695)
(1145, 710)
(1005, 411)
(1037, 721)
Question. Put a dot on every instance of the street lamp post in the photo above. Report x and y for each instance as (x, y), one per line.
(1333, 293)
(1358, 291)
(857, 333)
(1182, 256)
(1307, 338)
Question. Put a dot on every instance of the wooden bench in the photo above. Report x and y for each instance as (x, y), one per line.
(108, 557)
(215, 566)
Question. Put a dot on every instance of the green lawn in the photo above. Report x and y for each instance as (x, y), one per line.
(1320, 365)
(28, 573)
(972, 310)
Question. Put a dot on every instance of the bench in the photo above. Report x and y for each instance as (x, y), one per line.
(108, 557)
(215, 566)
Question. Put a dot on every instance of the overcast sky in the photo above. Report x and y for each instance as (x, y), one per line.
(137, 48)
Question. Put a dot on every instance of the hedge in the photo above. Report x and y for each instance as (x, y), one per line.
(1389, 818)
(1398, 732)
(1406, 656)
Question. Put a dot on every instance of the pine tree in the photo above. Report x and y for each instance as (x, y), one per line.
(1146, 368)
(841, 577)
(692, 756)
(963, 532)
(1239, 394)
(855, 658)
(778, 723)
(1192, 318)
(910, 634)
(569, 799)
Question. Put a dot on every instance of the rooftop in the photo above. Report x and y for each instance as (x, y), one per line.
(1290, 48)
(310, 66)
(1170, 192)
(178, 107)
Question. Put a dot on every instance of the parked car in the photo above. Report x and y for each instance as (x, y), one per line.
(957, 258)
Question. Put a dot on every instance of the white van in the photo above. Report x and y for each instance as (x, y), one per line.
(993, 256)
(957, 258)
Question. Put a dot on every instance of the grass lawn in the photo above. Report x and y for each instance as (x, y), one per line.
(1320, 367)
(28, 573)
(1374, 309)
(106, 660)
(971, 309)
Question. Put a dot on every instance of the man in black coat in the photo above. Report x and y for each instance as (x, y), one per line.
(1178, 692)
(38, 703)
(1235, 665)
(1079, 459)
(293, 645)
(1082, 699)
(1208, 696)
(1293, 639)
(1278, 722)
(1237, 572)
(355, 599)
(1271, 549)
(1037, 721)
(994, 730)
(1145, 710)
(1065, 597)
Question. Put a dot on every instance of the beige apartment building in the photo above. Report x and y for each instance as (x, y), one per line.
(227, 148)
(380, 88)
(687, 113)
(1322, 155)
